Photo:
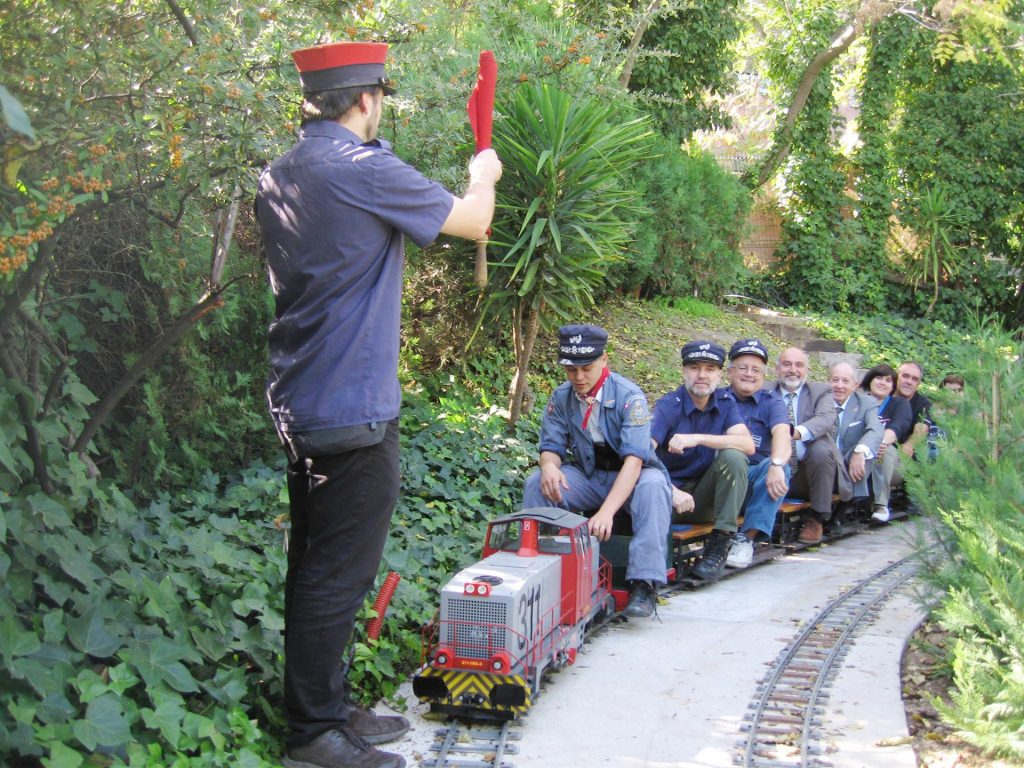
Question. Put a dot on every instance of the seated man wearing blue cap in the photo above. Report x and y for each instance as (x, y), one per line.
(596, 457)
(766, 417)
(703, 442)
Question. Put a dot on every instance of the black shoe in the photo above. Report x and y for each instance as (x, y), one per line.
(374, 728)
(642, 600)
(716, 551)
(340, 748)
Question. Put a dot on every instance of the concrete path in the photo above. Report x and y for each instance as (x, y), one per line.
(673, 692)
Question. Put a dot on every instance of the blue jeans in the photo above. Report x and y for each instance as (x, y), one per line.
(760, 509)
(650, 507)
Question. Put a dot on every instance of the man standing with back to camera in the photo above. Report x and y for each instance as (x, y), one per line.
(334, 211)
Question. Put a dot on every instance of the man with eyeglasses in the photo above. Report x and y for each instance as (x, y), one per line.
(702, 441)
(768, 475)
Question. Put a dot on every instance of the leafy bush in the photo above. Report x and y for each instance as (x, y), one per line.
(974, 493)
(687, 240)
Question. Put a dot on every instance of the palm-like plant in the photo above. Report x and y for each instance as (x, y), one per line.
(936, 255)
(564, 211)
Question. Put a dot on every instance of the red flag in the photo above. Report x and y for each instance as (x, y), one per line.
(481, 102)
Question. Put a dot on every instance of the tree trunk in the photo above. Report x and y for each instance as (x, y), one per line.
(527, 337)
(26, 411)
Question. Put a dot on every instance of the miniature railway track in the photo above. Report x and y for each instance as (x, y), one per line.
(784, 726)
(465, 746)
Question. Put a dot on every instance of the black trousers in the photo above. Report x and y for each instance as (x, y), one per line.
(341, 507)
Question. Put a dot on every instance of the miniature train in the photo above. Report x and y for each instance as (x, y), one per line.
(521, 611)
(527, 606)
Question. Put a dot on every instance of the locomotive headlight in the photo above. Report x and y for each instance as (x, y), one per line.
(470, 589)
(441, 658)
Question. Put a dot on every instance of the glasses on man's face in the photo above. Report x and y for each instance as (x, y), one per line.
(754, 369)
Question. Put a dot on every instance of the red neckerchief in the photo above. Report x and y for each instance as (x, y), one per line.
(590, 396)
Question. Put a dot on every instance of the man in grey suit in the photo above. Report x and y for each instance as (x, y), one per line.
(811, 412)
(856, 434)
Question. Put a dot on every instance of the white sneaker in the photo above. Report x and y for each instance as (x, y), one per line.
(741, 553)
(880, 515)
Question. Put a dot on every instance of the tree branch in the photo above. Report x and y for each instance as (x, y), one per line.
(841, 41)
(223, 236)
(186, 24)
(168, 339)
(634, 44)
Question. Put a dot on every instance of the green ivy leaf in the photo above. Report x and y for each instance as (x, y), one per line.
(91, 634)
(104, 724)
(16, 641)
(62, 756)
(159, 662)
(54, 515)
(167, 717)
(43, 678)
(162, 600)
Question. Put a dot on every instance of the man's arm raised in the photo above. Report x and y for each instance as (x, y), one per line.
(471, 214)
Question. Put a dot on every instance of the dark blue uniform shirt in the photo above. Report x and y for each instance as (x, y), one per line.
(333, 212)
(676, 414)
(761, 412)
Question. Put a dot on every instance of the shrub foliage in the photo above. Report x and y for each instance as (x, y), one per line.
(975, 493)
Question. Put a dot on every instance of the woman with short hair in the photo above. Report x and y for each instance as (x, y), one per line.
(897, 418)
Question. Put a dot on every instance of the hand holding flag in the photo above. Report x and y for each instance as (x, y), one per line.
(481, 119)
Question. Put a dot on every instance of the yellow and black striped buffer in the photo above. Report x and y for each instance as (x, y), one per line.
(476, 690)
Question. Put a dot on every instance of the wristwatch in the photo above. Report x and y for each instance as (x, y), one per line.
(778, 463)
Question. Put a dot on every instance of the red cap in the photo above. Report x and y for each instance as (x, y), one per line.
(342, 65)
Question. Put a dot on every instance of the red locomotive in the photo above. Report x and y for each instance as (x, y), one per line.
(523, 609)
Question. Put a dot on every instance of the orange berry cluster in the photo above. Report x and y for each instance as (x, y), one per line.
(83, 183)
(9, 264)
(59, 205)
(177, 159)
(20, 244)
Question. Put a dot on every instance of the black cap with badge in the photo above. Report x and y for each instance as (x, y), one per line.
(703, 352)
(748, 347)
(580, 344)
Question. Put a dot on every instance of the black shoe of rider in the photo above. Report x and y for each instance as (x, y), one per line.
(642, 600)
(716, 551)
(340, 748)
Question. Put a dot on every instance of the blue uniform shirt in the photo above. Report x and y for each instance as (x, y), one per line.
(625, 421)
(676, 414)
(761, 412)
(334, 212)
